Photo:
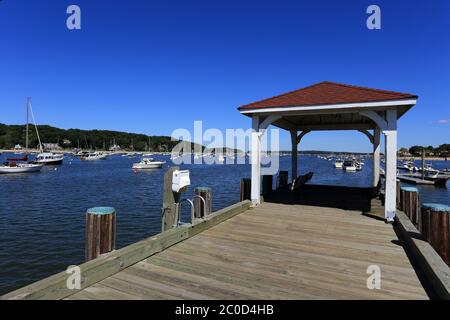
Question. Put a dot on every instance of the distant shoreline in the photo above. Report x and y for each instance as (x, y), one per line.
(159, 152)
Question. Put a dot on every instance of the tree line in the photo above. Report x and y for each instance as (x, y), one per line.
(11, 135)
(441, 151)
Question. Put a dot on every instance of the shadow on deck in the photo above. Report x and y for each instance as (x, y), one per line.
(347, 198)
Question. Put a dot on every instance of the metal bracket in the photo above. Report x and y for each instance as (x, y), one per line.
(191, 202)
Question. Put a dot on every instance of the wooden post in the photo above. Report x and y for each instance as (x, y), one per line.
(100, 231)
(200, 210)
(171, 202)
(267, 184)
(282, 179)
(410, 204)
(246, 187)
(435, 228)
(399, 196)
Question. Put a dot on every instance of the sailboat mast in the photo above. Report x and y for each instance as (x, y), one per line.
(26, 131)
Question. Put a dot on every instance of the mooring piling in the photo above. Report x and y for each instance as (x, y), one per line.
(435, 228)
(202, 202)
(267, 184)
(100, 231)
(410, 204)
(246, 188)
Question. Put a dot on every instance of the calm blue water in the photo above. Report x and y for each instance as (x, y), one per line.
(42, 214)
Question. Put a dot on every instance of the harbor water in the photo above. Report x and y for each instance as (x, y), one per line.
(42, 214)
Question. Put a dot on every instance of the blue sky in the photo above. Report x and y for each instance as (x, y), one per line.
(154, 66)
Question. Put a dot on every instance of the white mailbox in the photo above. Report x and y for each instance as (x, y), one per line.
(180, 180)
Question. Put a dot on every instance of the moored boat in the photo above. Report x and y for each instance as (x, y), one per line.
(91, 156)
(49, 158)
(148, 163)
(21, 165)
(338, 164)
(14, 166)
(349, 165)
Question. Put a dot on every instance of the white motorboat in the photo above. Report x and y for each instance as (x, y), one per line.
(338, 164)
(91, 156)
(349, 165)
(148, 163)
(49, 158)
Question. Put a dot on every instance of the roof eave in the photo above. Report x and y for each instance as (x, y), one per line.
(388, 104)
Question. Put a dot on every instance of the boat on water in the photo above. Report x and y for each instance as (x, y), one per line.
(91, 156)
(338, 164)
(349, 165)
(148, 163)
(21, 165)
(407, 165)
(17, 167)
(49, 158)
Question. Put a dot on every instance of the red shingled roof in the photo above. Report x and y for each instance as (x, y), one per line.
(326, 92)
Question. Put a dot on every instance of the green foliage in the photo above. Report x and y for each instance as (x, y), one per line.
(10, 135)
(443, 150)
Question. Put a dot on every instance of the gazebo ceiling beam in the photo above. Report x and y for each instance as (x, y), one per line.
(337, 126)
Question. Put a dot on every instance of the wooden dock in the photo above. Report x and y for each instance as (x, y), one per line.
(275, 251)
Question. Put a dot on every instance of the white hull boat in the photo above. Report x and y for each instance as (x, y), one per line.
(49, 158)
(93, 156)
(338, 164)
(21, 165)
(20, 168)
(349, 165)
(148, 163)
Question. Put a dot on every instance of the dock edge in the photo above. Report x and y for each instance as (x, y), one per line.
(55, 287)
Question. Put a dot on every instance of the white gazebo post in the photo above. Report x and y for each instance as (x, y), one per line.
(294, 140)
(256, 161)
(391, 164)
(259, 126)
(376, 156)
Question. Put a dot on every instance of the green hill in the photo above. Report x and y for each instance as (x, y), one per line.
(10, 135)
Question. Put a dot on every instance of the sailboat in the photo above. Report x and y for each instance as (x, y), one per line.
(21, 165)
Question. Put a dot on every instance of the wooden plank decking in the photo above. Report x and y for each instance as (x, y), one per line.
(275, 251)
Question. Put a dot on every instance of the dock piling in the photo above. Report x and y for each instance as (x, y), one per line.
(100, 231)
(202, 210)
(410, 204)
(282, 179)
(171, 202)
(435, 228)
(246, 188)
(267, 184)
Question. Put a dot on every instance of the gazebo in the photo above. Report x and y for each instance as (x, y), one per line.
(332, 106)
